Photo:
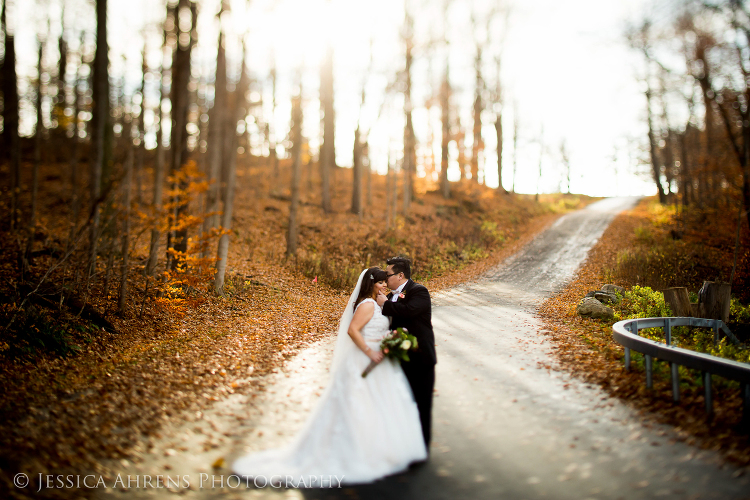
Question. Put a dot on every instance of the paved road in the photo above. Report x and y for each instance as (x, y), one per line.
(504, 426)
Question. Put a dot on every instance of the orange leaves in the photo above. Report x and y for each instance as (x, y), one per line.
(586, 348)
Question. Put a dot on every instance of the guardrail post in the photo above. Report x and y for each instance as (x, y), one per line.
(716, 332)
(649, 372)
(675, 382)
(627, 359)
(667, 331)
(708, 397)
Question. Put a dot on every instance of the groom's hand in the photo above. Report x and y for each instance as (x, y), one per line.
(381, 298)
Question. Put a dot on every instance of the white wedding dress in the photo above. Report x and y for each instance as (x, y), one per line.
(362, 429)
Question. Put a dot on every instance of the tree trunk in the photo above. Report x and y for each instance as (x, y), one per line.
(515, 149)
(101, 119)
(499, 134)
(239, 111)
(110, 252)
(126, 227)
(75, 202)
(389, 194)
(62, 48)
(409, 161)
(141, 129)
(541, 156)
(714, 298)
(327, 150)
(746, 157)
(678, 300)
(153, 252)
(273, 157)
(11, 117)
(445, 91)
(685, 179)
(476, 146)
(216, 126)
(566, 165)
(309, 171)
(296, 132)
(367, 170)
(655, 164)
(357, 175)
(180, 97)
(37, 160)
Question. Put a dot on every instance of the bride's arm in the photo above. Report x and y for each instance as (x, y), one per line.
(361, 317)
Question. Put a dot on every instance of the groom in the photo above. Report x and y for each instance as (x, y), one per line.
(409, 307)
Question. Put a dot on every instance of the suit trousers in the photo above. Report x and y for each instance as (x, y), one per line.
(421, 376)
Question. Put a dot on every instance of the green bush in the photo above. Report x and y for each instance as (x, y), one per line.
(642, 302)
(739, 313)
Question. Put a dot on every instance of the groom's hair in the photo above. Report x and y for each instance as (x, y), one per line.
(400, 265)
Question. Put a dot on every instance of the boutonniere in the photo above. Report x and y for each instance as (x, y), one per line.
(401, 296)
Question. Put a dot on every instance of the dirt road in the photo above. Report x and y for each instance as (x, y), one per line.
(505, 426)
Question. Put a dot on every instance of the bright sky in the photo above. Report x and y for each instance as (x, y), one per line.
(565, 70)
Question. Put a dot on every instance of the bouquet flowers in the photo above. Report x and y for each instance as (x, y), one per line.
(396, 346)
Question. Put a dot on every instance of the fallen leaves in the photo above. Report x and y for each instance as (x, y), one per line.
(585, 347)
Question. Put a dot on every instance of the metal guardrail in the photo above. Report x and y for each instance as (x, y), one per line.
(626, 333)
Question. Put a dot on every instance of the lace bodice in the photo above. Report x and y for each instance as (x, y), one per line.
(377, 327)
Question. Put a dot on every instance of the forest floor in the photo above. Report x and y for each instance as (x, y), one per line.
(651, 245)
(82, 389)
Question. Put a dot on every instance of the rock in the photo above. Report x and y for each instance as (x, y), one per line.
(613, 289)
(589, 307)
(591, 294)
(607, 298)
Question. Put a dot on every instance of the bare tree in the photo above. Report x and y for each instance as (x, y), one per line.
(273, 157)
(140, 127)
(157, 199)
(541, 157)
(127, 202)
(357, 163)
(498, 99)
(367, 168)
(38, 133)
(239, 110)
(653, 148)
(62, 48)
(409, 162)
(186, 17)
(216, 127)
(75, 201)
(101, 119)
(445, 95)
(515, 147)
(11, 115)
(327, 150)
(477, 145)
(565, 157)
(296, 133)
(357, 175)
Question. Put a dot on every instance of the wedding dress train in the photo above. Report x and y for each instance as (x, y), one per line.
(362, 429)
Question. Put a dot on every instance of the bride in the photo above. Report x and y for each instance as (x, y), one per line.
(363, 428)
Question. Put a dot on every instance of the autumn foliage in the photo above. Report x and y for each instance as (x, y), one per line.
(74, 367)
(639, 251)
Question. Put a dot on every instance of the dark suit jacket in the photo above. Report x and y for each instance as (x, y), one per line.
(414, 312)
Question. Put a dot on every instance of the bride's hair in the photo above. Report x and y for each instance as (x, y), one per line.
(372, 276)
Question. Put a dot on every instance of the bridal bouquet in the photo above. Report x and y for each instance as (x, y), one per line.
(396, 345)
